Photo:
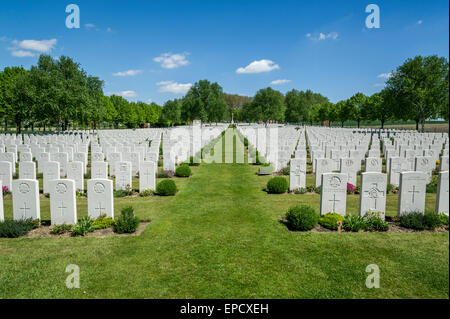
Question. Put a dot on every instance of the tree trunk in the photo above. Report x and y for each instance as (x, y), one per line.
(342, 124)
(359, 122)
(417, 125)
(423, 125)
(18, 127)
(6, 124)
(382, 124)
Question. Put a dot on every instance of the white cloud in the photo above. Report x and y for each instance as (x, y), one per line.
(419, 22)
(279, 82)
(127, 73)
(173, 87)
(384, 75)
(323, 36)
(22, 54)
(258, 67)
(172, 61)
(126, 94)
(36, 45)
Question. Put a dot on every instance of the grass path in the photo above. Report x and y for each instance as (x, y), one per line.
(220, 237)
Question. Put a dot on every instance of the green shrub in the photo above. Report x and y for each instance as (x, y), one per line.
(354, 223)
(183, 171)
(166, 187)
(374, 223)
(102, 222)
(419, 221)
(127, 221)
(302, 217)
(84, 226)
(16, 228)
(318, 189)
(146, 193)
(285, 171)
(389, 188)
(160, 163)
(245, 142)
(277, 185)
(432, 220)
(60, 229)
(330, 220)
(301, 190)
(122, 193)
(444, 219)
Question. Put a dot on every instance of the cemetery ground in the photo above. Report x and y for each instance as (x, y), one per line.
(221, 237)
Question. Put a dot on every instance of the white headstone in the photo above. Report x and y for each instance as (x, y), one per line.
(442, 197)
(412, 193)
(147, 176)
(297, 173)
(25, 193)
(123, 175)
(27, 170)
(63, 206)
(100, 198)
(2, 214)
(75, 172)
(333, 196)
(51, 172)
(373, 164)
(99, 170)
(323, 165)
(373, 193)
(6, 174)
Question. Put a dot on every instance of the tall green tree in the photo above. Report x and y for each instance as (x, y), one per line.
(357, 102)
(171, 112)
(419, 89)
(268, 105)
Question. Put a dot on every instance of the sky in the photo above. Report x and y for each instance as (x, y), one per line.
(153, 51)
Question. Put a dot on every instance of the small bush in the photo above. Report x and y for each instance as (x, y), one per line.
(16, 228)
(84, 226)
(412, 221)
(330, 220)
(285, 171)
(122, 193)
(5, 190)
(103, 222)
(432, 220)
(245, 142)
(60, 229)
(390, 188)
(419, 221)
(127, 221)
(301, 190)
(351, 189)
(146, 193)
(183, 171)
(277, 185)
(160, 163)
(374, 223)
(444, 219)
(166, 187)
(302, 217)
(318, 189)
(354, 223)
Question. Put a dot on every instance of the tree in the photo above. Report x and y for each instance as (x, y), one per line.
(7, 76)
(268, 104)
(344, 111)
(171, 112)
(419, 89)
(204, 101)
(378, 107)
(357, 102)
(21, 96)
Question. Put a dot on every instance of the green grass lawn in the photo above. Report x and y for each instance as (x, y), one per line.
(221, 237)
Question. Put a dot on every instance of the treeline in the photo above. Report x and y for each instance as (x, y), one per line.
(59, 93)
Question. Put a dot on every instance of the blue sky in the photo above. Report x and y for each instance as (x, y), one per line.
(154, 50)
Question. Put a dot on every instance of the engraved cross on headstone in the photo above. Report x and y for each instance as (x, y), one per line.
(413, 191)
(334, 200)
